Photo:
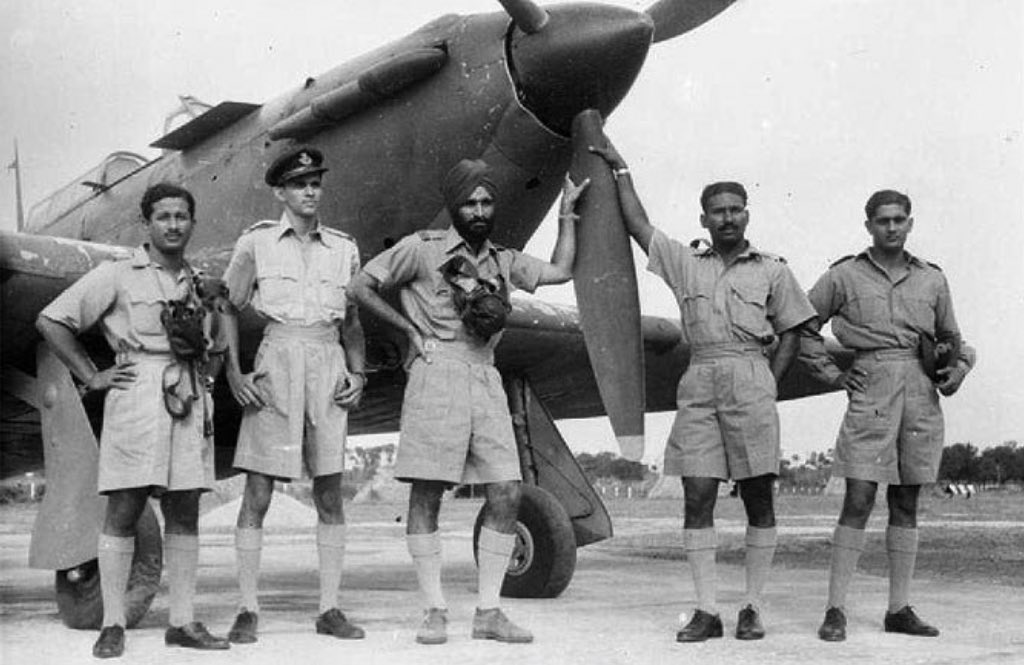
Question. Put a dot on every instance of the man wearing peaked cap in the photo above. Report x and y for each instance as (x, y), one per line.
(456, 428)
(310, 370)
(294, 164)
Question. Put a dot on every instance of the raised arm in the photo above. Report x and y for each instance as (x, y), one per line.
(633, 213)
(559, 270)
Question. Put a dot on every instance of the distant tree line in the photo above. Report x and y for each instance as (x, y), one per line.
(611, 466)
(963, 463)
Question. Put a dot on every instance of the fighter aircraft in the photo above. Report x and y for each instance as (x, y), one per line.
(523, 89)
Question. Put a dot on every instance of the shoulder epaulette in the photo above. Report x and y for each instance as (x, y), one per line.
(336, 232)
(843, 260)
(773, 257)
(700, 245)
(934, 265)
(429, 234)
(262, 224)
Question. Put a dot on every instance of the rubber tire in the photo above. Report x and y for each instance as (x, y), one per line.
(544, 560)
(80, 604)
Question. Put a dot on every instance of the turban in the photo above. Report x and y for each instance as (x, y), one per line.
(463, 179)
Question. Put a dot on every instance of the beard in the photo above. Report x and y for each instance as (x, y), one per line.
(474, 230)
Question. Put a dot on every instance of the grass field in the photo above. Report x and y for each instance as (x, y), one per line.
(980, 539)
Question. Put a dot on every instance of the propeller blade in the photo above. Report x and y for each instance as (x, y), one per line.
(606, 291)
(674, 17)
(528, 16)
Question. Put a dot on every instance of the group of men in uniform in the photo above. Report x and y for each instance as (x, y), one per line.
(743, 316)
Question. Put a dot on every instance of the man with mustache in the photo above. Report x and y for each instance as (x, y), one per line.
(453, 286)
(309, 371)
(740, 311)
(154, 440)
(895, 311)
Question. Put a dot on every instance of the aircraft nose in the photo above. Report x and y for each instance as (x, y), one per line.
(584, 57)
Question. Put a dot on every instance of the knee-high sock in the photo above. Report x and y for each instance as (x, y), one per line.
(181, 559)
(901, 544)
(248, 546)
(425, 550)
(115, 562)
(700, 546)
(493, 554)
(847, 544)
(759, 554)
(330, 546)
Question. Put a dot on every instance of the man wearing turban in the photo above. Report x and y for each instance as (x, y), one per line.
(456, 427)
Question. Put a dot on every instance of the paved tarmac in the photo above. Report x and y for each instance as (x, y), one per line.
(618, 609)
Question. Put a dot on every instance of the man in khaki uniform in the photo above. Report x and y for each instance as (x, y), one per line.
(886, 305)
(740, 310)
(455, 420)
(153, 440)
(293, 272)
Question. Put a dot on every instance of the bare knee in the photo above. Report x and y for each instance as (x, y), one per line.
(181, 512)
(502, 507)
(124, 507)
(259, 489)
(902, 500)
(699, 497)
(328, 499)
(758, 495)
(858, 503)
(424, 506)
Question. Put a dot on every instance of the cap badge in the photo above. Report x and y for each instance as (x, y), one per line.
(305, 159)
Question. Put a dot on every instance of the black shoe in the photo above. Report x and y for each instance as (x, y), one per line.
(110, 643)
(748, 624)
(334, 622)
(194, 636)
(833, 628)
(702, 626)
(243, 631)
(906, 622)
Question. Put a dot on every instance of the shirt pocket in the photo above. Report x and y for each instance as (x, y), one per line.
(748, 305)
(870, 309)
(332, 276)
(280, 288)
(145, 303)
(696, 309)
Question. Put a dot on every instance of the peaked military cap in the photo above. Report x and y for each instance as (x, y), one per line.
(293, 164)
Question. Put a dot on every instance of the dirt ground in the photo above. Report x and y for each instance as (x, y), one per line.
(623, 605)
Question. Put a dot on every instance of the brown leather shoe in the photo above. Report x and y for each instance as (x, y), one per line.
(748, 624)
(833, 628)
(492, 624)
(243, 630)
(110, 643)
(194, 636)
(434, 628)
(334, 622)
(908, 623)
(702, 626)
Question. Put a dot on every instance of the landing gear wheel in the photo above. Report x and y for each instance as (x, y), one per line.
(544, 557)
(79, 601)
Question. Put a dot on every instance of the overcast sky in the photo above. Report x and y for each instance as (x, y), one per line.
(812, 103)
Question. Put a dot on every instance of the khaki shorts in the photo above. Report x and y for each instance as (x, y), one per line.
(456, 426)
(142, 445)
(299, 427)
(726, 425)
(893, 430)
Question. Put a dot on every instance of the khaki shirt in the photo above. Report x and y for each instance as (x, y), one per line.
(125, 297)
(870, 311)
(414, 265)
(291, 280)
(751, 300)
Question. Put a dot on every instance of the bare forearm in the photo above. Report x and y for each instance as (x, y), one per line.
(564, 254)
(67, 347)
(785, 353)
(229, 320)
(633, 214)
(363, 289)
(354, 342)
